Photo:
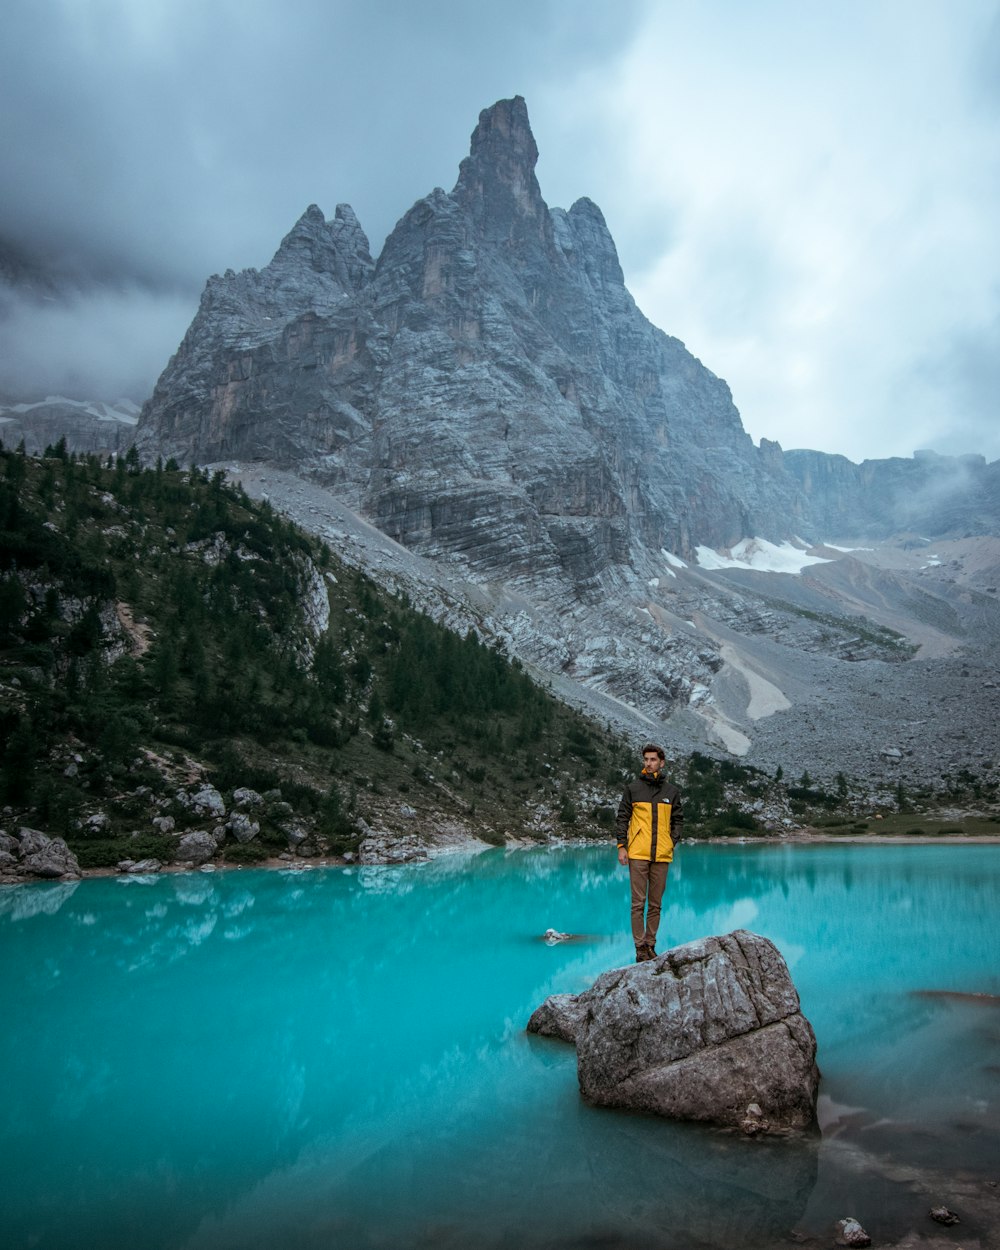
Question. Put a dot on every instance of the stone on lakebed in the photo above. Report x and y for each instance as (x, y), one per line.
(704, 1031)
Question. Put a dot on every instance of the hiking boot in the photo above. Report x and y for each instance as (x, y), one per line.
(642, 953)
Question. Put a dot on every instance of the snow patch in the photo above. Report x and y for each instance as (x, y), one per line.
(765, 697)
(735, 743)
(759, 554)
(670, 558)
(123, 410)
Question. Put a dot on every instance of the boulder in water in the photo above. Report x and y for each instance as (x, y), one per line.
(709, 1031)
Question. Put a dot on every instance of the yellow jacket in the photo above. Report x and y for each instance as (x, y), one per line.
(649, 818)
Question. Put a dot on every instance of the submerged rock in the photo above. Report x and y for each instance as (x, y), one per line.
(708, 1031)
(850, 1233)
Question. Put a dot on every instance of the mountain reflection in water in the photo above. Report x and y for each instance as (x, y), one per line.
(337, 1057)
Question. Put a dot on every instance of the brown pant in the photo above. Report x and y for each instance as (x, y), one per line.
(646, 879)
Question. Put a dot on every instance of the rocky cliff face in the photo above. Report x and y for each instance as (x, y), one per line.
(936, 495)
(488, 391)
(86, 426)
(489, 396)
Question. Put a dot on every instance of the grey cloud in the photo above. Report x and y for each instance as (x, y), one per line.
(177, 142)
(986, 63)
(95, 343)
(149, 144)
(152, 144)
(959, 388)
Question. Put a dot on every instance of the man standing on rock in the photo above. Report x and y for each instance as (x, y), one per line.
(649, 823)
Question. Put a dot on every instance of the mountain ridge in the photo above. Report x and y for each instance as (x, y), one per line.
(515, 319)
(488, 395)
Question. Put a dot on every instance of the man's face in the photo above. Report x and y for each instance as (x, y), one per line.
(651, 762)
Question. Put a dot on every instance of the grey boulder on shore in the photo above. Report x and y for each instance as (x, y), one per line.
(709, 1031)
(31, 853)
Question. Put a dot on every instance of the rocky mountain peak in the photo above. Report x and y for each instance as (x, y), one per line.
(481, 393)
(338, 248)
(307, 239)
(583, 235)
(496, 181)
(491, 400)
(503, 135)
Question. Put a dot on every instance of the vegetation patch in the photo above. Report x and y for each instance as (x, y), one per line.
(906, 824)
(109, 852)
(245, 853)
(154, 638)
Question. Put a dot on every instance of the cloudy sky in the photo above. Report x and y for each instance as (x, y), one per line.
(806, 194)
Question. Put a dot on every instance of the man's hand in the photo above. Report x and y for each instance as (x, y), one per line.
(622, 856)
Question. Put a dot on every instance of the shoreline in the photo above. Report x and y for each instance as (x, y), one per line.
(825, 837)
(473, 846)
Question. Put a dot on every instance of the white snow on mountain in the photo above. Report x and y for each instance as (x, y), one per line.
(759, 554)
(123, 410)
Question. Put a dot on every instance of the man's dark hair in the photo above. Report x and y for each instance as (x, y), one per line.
(651, 746)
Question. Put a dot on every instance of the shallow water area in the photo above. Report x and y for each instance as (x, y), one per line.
(337, 1057)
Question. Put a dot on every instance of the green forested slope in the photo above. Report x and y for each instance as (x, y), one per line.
(158, 631)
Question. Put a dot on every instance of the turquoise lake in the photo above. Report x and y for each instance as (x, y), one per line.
(337, 1057)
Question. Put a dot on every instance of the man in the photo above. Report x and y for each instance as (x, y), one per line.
(649, 823)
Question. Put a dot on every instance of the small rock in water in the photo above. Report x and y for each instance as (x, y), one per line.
(755, 1121)
(943, 1215)
(850, 1233)
(553, 935)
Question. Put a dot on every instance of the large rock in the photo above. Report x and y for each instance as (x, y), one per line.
(208, 802)
(708, 1031)
(196, 847)
(42, 856)
(928, 493)
(242, 827)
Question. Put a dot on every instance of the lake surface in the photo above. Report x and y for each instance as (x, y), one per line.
(337, 1058)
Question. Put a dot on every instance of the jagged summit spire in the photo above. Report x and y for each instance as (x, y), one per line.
(496, 181)
(338, 247)
(503, 136)
(303, 235)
